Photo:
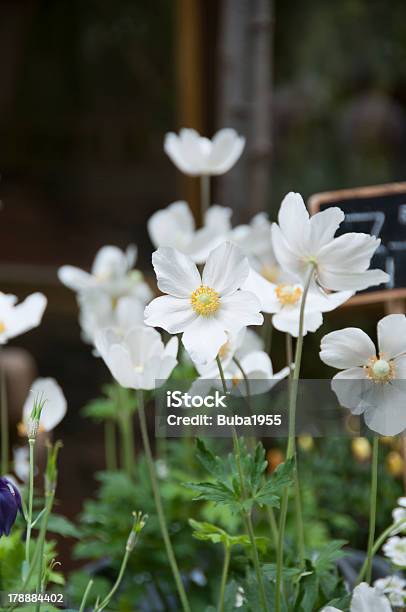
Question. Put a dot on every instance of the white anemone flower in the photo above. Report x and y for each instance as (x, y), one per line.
(139, 359)
(175, 227)
(55, 405)
(395, 550)
(195, 155)
(98, 311)
(255, 240)
(111, 272)
(365, 599)
(283, 300)
(16, 319)
(371, 384)
(301, 242)
(394, 588)
(21, 463)
(204, 308)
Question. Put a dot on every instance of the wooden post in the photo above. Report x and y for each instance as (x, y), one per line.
(189, 84)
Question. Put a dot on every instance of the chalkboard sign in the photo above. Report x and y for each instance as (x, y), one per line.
(379, 210)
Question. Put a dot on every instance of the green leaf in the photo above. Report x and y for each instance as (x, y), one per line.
(324, 560)
(62, 526)
(270, 492)
(218, 492)
(211, 533)
(100, 410)
(210, 462)
(291, 573)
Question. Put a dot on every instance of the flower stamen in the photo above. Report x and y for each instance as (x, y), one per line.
(288, 295)
(2, 327)
(205, 301)
(380, 370)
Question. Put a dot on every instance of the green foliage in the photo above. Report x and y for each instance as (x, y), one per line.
(226, 488)
(211, 533)
(114, 400)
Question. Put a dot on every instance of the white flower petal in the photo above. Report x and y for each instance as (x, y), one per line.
(392, 335)
(368, 599)
(239, 310)
(294, 223)
(55, 405)
(317, 299)
(350, 387)
(203, 339)
(110, 262)
(120, 365)
(352, 281)
(176, 273)
(75, 278)
(26, 315)
(172, 314)
(346, 348)
(323, 226)
(287, 320)
(172, 226)
(263, 290)
(226, 269)
(173, 148)
(226, 150)
(386, 412)
(288, 259)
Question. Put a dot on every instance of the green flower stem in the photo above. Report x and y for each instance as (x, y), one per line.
(158, 504)
(269, 510)
(377, 545)
(291, 450)
(204, 195)
(4, 421)
(224, 576)
(296, 483)
(110, 444)
(372, 515)
(101, 606)
(85, 596)
(246, 514)
(31, 443)
(40, 544)
(127, 435)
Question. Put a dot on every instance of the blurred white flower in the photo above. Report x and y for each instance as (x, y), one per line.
(394, 588)
(395, 550)
(205, 307)
(239, 597)
(371, 384)
(255, 240)
(55, 404)
(365, 599)
(399, 514)
(98, 310)
(284, 301)
(111, 272)
(340, 263)
(16, 319)
(195, 155)
(139, 359)
(21, 463)
(174, 227)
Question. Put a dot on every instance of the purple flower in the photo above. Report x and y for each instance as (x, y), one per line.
(10, 503)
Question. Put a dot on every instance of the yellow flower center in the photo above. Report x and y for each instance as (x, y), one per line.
(380, 370)
(236, 380)
(205, 301)
(288, 295)
(2, 327)
(271, 273)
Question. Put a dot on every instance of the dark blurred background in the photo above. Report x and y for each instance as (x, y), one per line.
(88, 90)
